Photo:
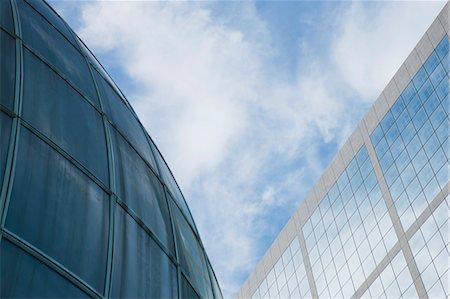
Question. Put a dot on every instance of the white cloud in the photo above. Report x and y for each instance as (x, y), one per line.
(228, 125)
(371, 44)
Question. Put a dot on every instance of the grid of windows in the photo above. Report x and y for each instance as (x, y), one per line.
(394, 281)
(350, 232)
(88, 206)
(430, 247)
(288, 278)
(412, 140)
(358, 242)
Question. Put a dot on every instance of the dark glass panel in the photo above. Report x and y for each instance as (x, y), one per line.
(62, 114)
(186, 290)
(52, 18)
(215, 284)
(45, 39)
(5, 132)
(6, 17)
(124, 119)
(141, 268)
(59, 210)
(23, 276)
(141, 190)
(190, 254)
(170, 182)
(7, 69)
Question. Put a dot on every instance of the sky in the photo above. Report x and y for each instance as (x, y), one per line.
(248, 101)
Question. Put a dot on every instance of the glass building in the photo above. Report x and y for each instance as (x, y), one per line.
(88, 206)
(376, 225)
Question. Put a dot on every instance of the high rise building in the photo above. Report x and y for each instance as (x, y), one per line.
(88, 206)
(375, 225)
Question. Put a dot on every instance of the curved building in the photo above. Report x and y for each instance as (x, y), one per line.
(88, 206)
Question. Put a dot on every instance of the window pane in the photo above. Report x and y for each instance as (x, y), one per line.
(186, 290)
(141, 190)
(59, 210)
(53, 18)
(141, 268)
(23, 276)
(45, 39)
(5, 132)
(6, 17)
(53, 107)
(190, 254)
(169, 180)
(125, 121)
(7, 69)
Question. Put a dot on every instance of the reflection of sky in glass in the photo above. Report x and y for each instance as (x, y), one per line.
(411, 142)
(430, 247)
(394, 282)
(350, 232)
(287, 279)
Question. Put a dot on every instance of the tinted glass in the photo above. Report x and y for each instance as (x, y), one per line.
(62, 114)
(190, 254)
(125, 121)
(6, 17)
(23, 276)
(53, 18)
(186, 290)
(56, 49)
(141, 190)
(141, 268)
(169, 180)
(7, 69)
(59, 210)
(5, 132)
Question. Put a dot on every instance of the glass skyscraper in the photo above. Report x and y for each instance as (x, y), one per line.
(88, 206)
(375, 225)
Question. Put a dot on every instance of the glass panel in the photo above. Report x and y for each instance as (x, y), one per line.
(186, 290)
(170, 182)
(141, 190)
(59, 210)
(52, 45)
(7, 69)
(52, 18)
(6, 17)
(5, 132)
(53, 107)
(215, 284)
(23, 276)
(141, 268)
(124, 119)
(190, 254)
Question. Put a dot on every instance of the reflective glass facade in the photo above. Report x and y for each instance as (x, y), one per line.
(88, 206)
(376, 223)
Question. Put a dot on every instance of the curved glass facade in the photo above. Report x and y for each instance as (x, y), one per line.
(88, 206)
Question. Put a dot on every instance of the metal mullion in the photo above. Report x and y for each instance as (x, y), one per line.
(66, 155)
(145, 228)
(15, 128)
(112, 182)
(175, 243)
(133, 147)
(49, 22)
(60, 74)
(49, 261)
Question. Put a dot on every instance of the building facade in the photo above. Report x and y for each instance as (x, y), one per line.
(88, 206)
(375, 225)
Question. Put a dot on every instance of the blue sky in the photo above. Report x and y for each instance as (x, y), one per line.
(248, 102)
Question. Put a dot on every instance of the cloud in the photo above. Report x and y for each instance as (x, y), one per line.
(245, 144)
(374, 40)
